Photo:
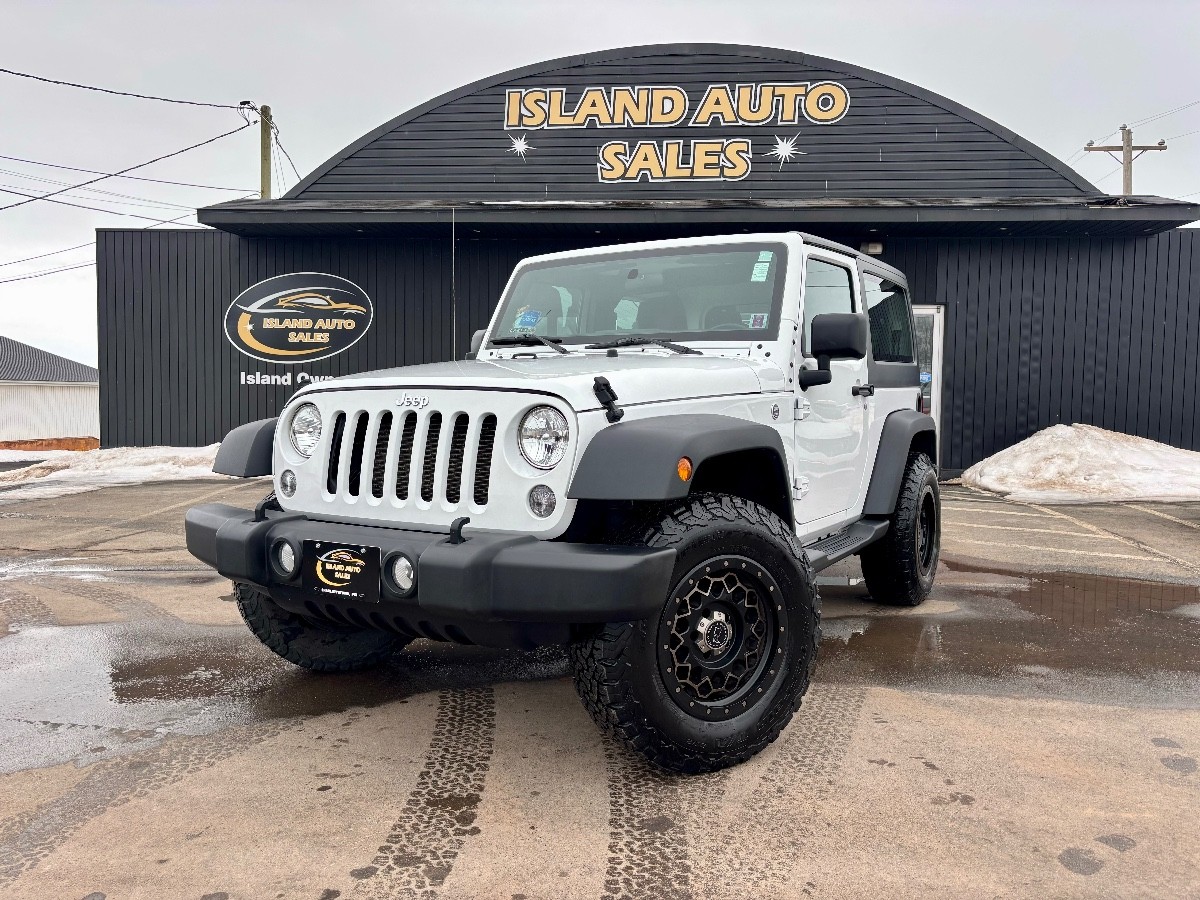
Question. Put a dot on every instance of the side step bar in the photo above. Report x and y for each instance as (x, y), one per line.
(848, 541)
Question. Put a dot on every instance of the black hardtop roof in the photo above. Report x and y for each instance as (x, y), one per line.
(873, 261)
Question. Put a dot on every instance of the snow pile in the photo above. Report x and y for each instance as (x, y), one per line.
(1082, 463)
(61, 472)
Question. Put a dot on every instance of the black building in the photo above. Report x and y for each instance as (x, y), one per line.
(1043, 300)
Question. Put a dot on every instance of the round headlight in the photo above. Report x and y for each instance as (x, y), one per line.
(543, 437)
(306, 429)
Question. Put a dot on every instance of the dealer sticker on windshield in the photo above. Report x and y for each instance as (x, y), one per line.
(527, 319)
(760, 271)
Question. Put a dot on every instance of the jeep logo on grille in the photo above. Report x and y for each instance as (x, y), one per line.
(298, 318)
(412, 400)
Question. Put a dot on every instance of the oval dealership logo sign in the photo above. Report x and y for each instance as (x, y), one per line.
(298, 318)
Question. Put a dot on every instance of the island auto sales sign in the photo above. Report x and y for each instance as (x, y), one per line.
(711, 156)
(298, 318)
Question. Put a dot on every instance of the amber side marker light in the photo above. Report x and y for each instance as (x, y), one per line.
(684, 468)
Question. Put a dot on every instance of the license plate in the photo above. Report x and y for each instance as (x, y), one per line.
(344, 571)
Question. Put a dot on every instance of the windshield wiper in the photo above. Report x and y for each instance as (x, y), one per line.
(529, 340)
(639, 341)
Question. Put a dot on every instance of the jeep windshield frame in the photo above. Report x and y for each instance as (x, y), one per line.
(716, 292)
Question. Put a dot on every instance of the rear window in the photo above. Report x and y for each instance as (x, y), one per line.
(891, 321)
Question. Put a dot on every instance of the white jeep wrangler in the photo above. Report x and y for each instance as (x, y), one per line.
(646, 456)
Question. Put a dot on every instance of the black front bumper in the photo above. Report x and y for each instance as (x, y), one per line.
(475, 589)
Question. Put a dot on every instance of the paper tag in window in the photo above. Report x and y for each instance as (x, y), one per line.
(758, 320)
(528, 318)
(760, 271)
(765, 255)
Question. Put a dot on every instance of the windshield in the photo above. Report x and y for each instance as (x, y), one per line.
(730, 292)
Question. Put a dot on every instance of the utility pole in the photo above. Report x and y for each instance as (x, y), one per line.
(264, 150)
(1127, 157)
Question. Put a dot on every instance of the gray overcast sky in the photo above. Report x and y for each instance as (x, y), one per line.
(1057, 73)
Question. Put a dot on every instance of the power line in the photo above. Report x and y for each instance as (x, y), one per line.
(210, 187)
(130, 169)
(1163, 115)
(51, 253)
(287, 155)
(1156, 116)
(277, 159)
(128, 201)
(111, 212)
(147, 200)
(70, 267)
(47, 272)
(1185, 134)
(277, 142)
(88, 87)
(15, 189)
(93, 243)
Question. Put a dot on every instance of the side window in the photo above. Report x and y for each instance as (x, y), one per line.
(891, 324)
(827, 289)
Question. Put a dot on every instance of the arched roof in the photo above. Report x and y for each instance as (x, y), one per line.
(896, 140)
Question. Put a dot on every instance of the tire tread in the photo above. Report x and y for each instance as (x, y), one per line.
(292, 637)
(602, 664)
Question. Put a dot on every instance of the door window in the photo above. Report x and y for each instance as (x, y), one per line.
(827, 289)
(891, 327)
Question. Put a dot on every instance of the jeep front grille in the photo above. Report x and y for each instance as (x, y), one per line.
(430, 453)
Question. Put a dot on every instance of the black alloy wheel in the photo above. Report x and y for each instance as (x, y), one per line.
(900, 567)
(717, 672)
(718, 637)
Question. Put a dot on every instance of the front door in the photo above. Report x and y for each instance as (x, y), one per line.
(929, 324)
(831, 423)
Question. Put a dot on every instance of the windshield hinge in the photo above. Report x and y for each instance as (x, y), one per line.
(803, 408)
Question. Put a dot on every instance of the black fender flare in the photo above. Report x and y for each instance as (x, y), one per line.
(900, 429)
(637, 460)
(247, 451)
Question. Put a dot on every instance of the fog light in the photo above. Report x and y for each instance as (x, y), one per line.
(541, 500)
(287, 483)
(285, 558)
(403, 574)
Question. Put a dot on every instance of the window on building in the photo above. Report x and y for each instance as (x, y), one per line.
(827, 289)
(891, 324)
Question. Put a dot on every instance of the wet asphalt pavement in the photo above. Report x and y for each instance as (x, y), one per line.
(1032, 730)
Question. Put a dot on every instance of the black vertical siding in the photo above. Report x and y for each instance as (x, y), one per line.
(1038, 331)
(1046, 331)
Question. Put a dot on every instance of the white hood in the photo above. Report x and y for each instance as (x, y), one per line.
(640, 378)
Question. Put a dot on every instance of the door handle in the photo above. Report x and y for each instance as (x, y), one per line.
(863, 390)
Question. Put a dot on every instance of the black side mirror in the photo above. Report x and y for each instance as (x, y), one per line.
(834, 336)
(839, 336)
(476, 343)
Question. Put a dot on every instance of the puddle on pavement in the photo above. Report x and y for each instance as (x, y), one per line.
(92, 691)
(1077, 636)
(87, 568)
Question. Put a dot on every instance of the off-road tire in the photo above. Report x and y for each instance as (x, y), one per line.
(312, 646)
(899, 568)
(619, 674)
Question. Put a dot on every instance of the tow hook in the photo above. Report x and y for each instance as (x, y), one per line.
(456, 527)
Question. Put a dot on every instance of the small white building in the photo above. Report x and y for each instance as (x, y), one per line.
(46, 400)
